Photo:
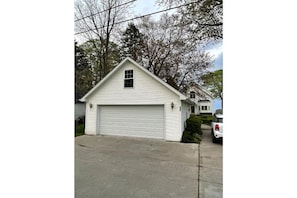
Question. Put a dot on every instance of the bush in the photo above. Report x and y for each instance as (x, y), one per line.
(190, 138)
(79, 129)
(206, 119)
(193, 132)
(194, 125)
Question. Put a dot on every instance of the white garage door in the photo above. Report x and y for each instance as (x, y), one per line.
(136, 121)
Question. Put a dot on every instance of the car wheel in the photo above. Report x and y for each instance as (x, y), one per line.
(213, 137)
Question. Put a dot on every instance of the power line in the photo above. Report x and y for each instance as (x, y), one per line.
(104, 10)
(138, 17)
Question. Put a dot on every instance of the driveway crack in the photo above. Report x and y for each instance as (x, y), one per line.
(198, 170)
(82, 145)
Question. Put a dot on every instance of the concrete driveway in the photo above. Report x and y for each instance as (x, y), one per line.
(210, 166)
(107, 166)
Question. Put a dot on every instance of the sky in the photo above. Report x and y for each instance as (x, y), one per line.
(142, 7)
(145, 7)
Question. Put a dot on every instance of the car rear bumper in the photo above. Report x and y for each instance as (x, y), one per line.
(218, 135)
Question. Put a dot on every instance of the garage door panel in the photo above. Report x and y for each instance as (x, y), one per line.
(137, 121)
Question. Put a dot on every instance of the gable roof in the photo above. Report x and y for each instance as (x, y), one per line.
(110, 74)
(202, 89)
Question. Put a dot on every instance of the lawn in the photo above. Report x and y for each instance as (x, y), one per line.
(79, 129)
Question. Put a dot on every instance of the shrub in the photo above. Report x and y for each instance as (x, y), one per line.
(193, 132)
(79, 129)
(206, 119)
(197, 138)
(187, 137)
(194, 125)
(190, 138)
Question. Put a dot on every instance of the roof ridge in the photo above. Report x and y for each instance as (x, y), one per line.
(83, 99)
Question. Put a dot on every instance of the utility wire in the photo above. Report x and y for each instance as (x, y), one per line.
(104, 10)
(138, 17)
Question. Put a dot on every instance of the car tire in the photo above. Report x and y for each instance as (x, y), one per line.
(214, 140)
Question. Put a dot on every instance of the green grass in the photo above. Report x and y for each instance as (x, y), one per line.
(79, 129)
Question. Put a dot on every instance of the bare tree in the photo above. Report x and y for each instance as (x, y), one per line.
(203, 17)
(171, 53)
(95, 21)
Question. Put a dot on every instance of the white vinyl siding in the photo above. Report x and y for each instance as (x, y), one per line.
(205, 107)
(136, 121)
(185, 114)
(146, 91)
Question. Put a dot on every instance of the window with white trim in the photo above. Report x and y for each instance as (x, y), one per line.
(128, 81)
(204, 107)
(192, 94)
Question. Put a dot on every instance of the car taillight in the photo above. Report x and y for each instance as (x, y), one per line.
(217, 127)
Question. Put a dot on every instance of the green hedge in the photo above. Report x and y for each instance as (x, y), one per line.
(79, 129)
(206, 119)
(194, 125)
(193, 132)
(190, 138)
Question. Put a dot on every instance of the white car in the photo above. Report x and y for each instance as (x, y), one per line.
(217, 128)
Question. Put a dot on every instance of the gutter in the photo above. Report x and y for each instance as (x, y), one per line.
(188, 100)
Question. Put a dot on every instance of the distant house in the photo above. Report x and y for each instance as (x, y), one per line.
(202, 98)
(131, 101)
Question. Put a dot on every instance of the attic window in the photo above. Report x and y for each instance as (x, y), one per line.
(192, 94)
(128, 81)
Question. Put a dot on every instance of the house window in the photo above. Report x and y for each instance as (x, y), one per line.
(192, 94)
(192, 109)
(128, 82)
(204, 107)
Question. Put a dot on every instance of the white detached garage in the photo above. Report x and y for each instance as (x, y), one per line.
(131, 101)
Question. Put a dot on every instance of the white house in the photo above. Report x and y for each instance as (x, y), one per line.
(202, 98)
(131, 101)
